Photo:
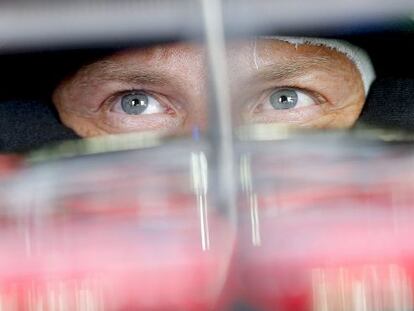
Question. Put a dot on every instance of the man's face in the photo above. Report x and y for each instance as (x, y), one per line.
(164, 88)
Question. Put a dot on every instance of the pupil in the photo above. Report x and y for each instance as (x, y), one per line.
(137, 102)
(283, 99)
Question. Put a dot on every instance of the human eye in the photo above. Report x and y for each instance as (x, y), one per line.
(141, 110)
(286, 104)
(288, 98)
(138, 103)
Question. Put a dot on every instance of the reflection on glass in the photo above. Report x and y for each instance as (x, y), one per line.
(114, 231)
(325, 223)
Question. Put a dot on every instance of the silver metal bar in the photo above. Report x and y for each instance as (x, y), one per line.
(220, 127)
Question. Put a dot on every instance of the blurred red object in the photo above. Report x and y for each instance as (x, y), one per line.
(9, 164)
(329, 247)
(127, 263)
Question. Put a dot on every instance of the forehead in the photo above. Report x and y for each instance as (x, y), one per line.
(246, 53)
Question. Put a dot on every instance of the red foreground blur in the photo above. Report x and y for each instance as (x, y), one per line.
(316, 246)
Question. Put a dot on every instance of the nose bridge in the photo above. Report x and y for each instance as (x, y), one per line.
(241, 57)
(194, 65)
(193, 69)
(197, 103)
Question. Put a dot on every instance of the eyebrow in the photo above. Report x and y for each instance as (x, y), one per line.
(289, 70)
(111, 71)
(282, 71)
(143, 76)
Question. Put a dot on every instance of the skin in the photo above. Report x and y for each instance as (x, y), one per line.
(175, 76)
